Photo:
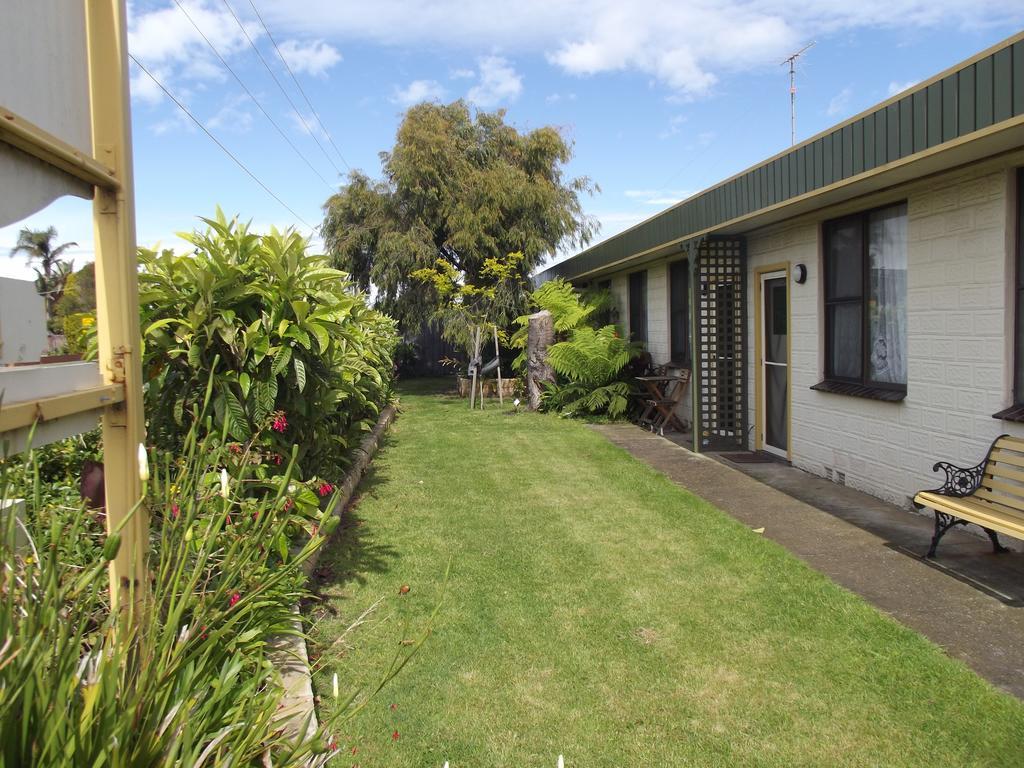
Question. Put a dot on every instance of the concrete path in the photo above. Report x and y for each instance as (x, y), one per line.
(968, 601)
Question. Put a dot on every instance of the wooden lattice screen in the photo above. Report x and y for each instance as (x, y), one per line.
(720, 362)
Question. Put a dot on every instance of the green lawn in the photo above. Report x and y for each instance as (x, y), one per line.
(596, 610)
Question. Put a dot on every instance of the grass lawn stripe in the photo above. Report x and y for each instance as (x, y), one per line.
(597, 610)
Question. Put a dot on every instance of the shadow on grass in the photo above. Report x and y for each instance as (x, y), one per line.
(355, 550)
(428, 386)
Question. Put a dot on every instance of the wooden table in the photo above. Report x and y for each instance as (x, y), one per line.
(666, 392)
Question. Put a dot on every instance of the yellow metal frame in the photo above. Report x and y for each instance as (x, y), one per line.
(33, 140)
(109, 170)
(759, 417)
(27, 412)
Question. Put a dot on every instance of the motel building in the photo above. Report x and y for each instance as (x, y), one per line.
(852, 305)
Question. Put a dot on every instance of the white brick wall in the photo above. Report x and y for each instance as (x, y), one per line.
(959, 366)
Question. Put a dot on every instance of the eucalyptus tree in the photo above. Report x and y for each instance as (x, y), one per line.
(458, 189)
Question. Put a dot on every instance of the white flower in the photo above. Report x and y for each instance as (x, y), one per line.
(143, 464)
(561, 762)
(223, 483)
(334, 685)
(516, 402)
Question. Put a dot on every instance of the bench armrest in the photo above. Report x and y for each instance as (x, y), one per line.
(960, 481)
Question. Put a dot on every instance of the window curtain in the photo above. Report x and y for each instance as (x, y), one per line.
(887, 301)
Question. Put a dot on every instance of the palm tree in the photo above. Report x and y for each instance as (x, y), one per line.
(52, 272)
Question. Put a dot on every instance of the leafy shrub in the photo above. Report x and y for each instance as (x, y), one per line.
(590, 362)
(296, 355)
(77, 328)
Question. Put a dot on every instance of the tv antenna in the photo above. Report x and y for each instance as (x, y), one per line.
(791, 60)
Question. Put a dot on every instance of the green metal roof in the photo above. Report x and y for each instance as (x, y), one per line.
(984, 90)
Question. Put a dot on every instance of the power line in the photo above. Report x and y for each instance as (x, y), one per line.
(251, 95)
(217, 141)
(298, 84)
(289, 98)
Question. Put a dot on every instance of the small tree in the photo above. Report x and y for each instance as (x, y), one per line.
(463, 306)
(52, 272)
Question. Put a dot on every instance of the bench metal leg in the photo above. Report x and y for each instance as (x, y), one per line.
(996, 546)
(943, 523)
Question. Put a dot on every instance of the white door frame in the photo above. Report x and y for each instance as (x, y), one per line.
(762, 363)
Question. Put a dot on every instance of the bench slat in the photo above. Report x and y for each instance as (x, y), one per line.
(998, 497)
(1015, 443)
(1002, 470)
(990, 515)
(1006, 457)
(1006, 488)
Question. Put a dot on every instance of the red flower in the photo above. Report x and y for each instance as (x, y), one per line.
(288, 504)
(235, 448)
(203, 630)
(324, 489)
(277, 459)
(175, 511)
(280, 423)
(394, 736)
(234, 600)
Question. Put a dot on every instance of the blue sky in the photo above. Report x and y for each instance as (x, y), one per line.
(660, 99)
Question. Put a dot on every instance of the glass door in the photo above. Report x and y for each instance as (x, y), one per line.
(774, 364)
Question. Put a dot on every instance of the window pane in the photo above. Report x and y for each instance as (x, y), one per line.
(844, 349)
(843, 259)
(638, 306)
(1018, 394)
(887, 299)
(1019, 352)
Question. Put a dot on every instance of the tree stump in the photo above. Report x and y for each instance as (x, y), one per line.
(540, 336)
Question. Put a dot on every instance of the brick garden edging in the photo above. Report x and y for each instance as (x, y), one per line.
(288, 652)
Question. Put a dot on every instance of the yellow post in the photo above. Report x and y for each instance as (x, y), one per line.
(117, 293)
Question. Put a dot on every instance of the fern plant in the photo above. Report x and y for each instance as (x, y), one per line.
(590, 362)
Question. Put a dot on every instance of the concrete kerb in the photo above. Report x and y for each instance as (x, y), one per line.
(288, 653)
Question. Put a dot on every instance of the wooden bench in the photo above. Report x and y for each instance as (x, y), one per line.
(990, 494)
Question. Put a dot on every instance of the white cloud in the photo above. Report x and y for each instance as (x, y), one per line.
(175, 122)
(143, 87)
(417, 91)
(659, 197)
(166, 35)
(897, 87)
(232, 116)
(499, 83)
(313, 58)
(167, 42)
(462, 74)
(675, 125)
(554, 98)
(307, 124)
(839, 103)
(685, 46)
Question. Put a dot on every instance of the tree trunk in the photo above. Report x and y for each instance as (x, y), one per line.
(540, 336)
